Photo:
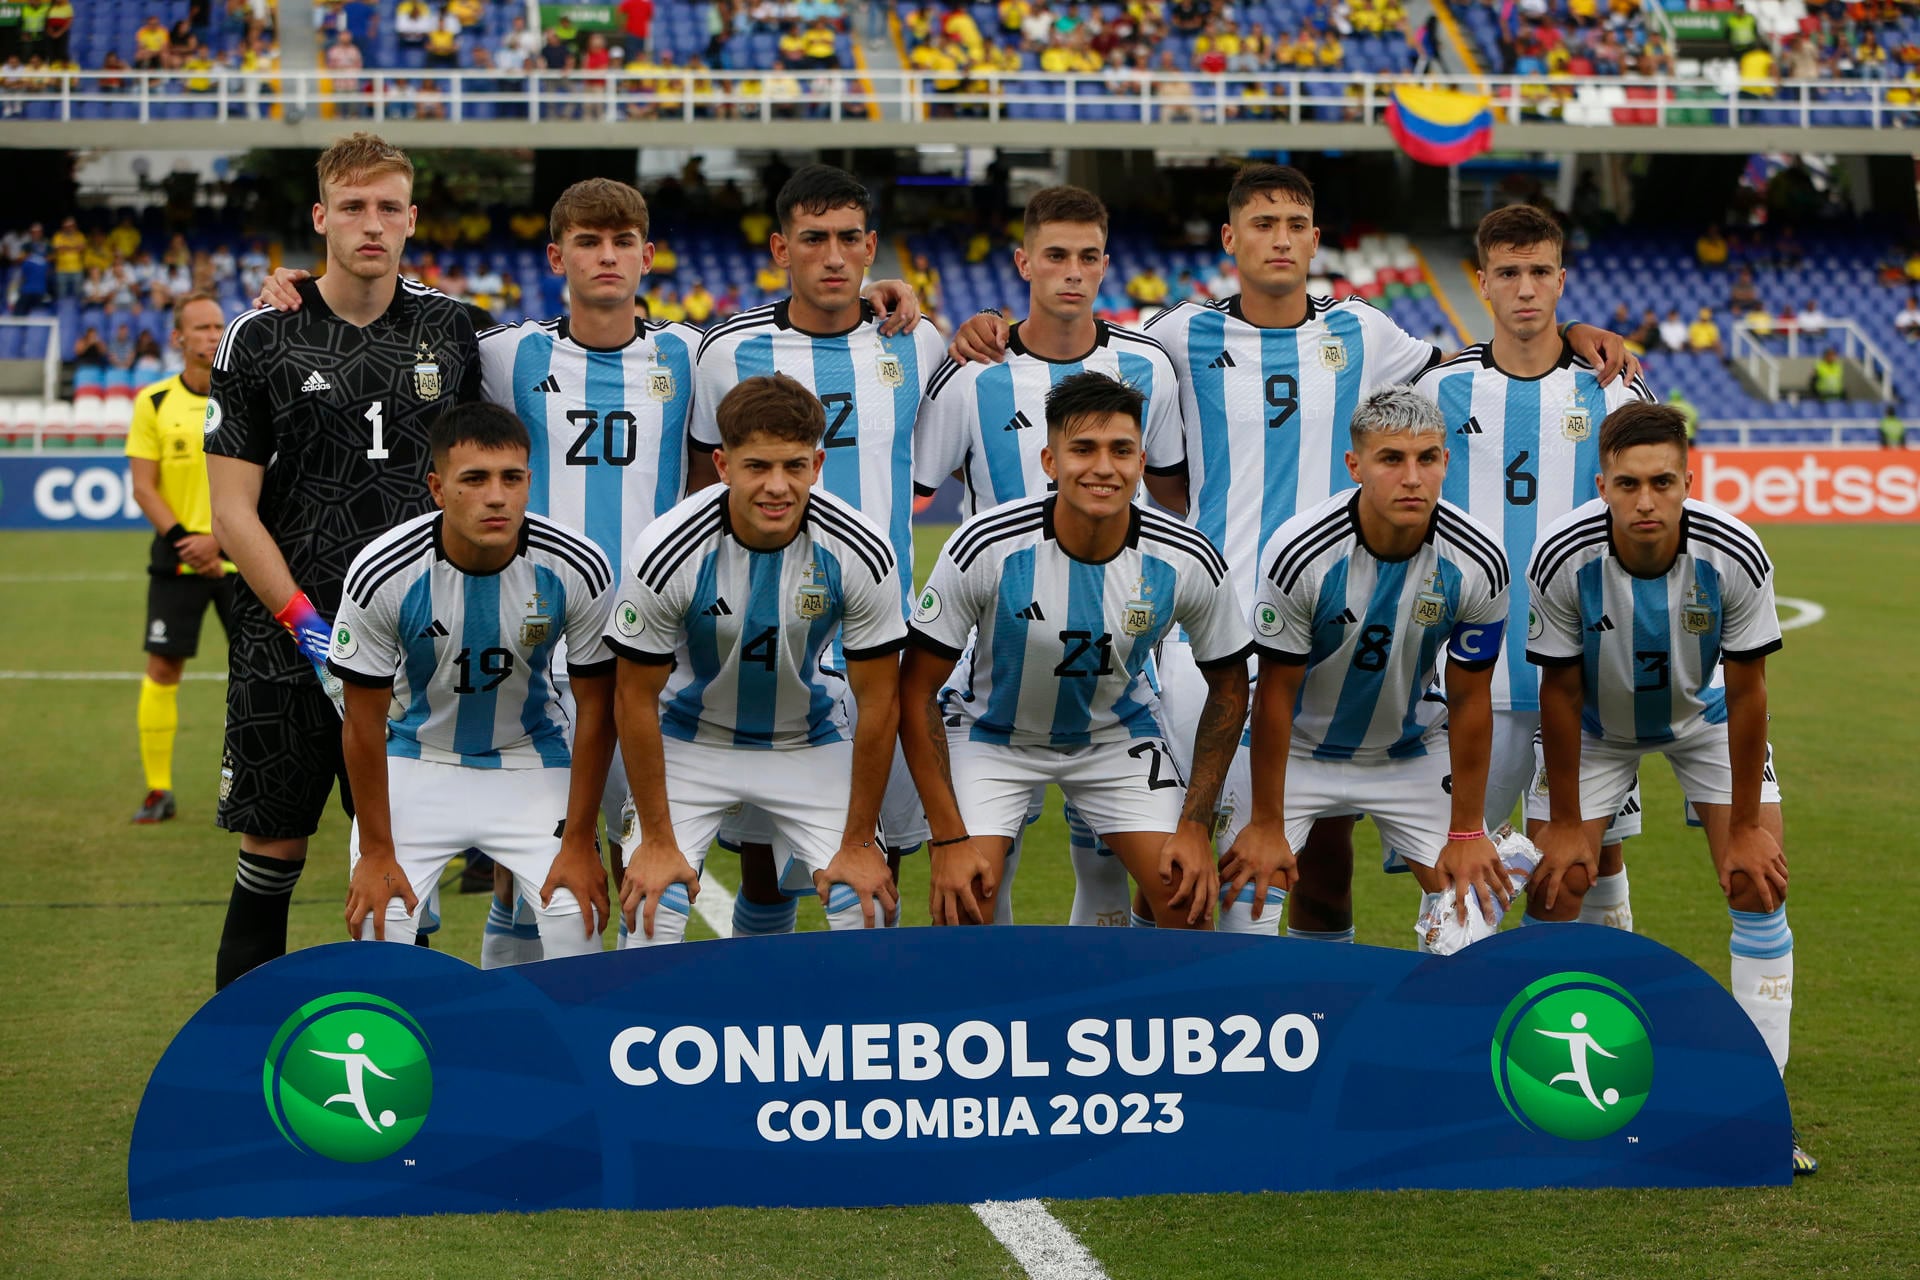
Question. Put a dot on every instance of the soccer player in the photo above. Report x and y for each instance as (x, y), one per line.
(731, 603)
(986, 423)
(1523, 416)
(185, 571)
(1356, 599)
(1064, 596)
(1638, 597)
(454, 618)
(834, 343)
(316, 440)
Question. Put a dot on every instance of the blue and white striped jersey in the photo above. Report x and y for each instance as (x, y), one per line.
(468, 656)
(989, 421)
(1060, 658)
(1649, 647)
(1267, 410)
(609, 428)
(1524, 453)
(747, 630)
(1370, 631)
(871, 387)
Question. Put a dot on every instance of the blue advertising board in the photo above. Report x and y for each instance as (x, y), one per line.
(952, 1065)
(68, 490)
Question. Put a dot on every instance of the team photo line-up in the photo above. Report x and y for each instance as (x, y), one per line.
(1229, 581)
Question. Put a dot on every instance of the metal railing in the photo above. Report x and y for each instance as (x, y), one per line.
(1759, 354)
(50, 361)
(1228, 99)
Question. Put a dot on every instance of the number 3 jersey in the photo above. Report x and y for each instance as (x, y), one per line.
(609, 428)
(1370, 631)
(1061, 655)
(747, 630)
(338, 415)
(469, 655)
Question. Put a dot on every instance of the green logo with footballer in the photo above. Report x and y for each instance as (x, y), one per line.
(1572, 1055)
(348, 1077)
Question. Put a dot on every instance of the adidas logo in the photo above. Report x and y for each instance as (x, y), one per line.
(1018, 422)
(718, 609)
(1032, 613)
(1222, 361)
(1471, 427)
(550, 385)
(433, 632)
(1605, 624)
(316, 382)
(1346, 617)
(1632, 806)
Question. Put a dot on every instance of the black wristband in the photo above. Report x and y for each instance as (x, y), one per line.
(936, 844)
(176, 533)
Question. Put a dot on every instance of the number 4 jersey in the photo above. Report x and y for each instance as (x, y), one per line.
(469, 656)
(338, 415)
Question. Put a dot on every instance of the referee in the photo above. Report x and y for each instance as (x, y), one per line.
(316, 440)
(185, 571)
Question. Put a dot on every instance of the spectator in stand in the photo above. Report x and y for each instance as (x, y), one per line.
(1645, 336)
(69, 259)
(1829, 380)
(223, 264)
(255, 263)
(90, 350)
(1893, 431)
(1703, 335)
(443, 43)
(121, 347)
(1907, 323)
(149, 361)
(1677, 399)
(413, 22)
(150, 45)
(343, 55)
(1224, 283)
(699, 304)
(1744, 296)
(1673, 332)
(29, 284)
(520, 48)
(124, 239)
(1759, 321)
(59, 29)
(1148, 288)
(1813, 322)
(1710, 250)
(468, 13)
(639, 23)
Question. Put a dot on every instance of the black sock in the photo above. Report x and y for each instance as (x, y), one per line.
(256, 928)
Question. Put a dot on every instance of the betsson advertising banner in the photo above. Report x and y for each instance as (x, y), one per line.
(952, 1065)
(1810, 486)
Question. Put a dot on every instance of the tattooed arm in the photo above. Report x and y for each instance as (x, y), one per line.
(965, 877)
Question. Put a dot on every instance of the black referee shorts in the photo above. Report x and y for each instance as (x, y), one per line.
(281, 757)
(177, 605)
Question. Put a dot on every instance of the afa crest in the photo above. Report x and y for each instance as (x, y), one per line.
(660, 383)
(1141, 614)
(426, 375)
(811, 601)
(1696, 615)
(537, 626)
(1576, 424)
(891, 372)
(1430, 605)
(1333, 354)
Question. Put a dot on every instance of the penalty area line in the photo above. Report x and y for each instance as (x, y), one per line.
(1805, 612)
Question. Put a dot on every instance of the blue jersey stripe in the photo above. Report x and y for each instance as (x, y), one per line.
(479, 632)
(1360, 690)
(1009, 644)
(1593, 607)
(1586, 453)
(1713, 697)
(1086, 617)
(1412, 740)
(668, 477)
(759, 691)
(680, 718)
(1160, 582)
(1520, 523)
(416, 615)
(834, 384)
(1207, 332)
(547, 737)
(1280, 368)
(606, 479)
(1456, 406)
(753, 358)
(906, 406)
(1652, 662)
(821, 631)
(1345, 326)
(1136, 372)
(532, 361)
(994, 401)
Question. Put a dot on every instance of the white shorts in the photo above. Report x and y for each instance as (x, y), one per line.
(438, 810)
(1517, 766)
(1408, 800)
(801, 793)
(1132, 785)
(1699, 760)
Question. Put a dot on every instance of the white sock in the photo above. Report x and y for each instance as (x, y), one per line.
(504, 941)
(669, 921)
(845, 912)
(1315, 935)
(567, 936)
(1003, 900)
(1102, 894)
(1237, 916)
(1762, 947)
(1606, 903)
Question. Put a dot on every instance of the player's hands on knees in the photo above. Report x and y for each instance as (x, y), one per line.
(1260, 856)
(982, 339)
(1563, 846)
(1754, 853)
(1476, 865)
(655, 865)
(965, 880)
(578, 870)
(278, 292)
(863, 869)
(894, 304)
(376, 880)
(1187, 870)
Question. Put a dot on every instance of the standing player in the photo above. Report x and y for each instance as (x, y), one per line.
(832, 342)
(1063, 596)
(1356, 598)
(316, 442)
(455, 617)
(986, 423)
(1639, 596)
(723, 625)
(1523, 416)
(185, 570)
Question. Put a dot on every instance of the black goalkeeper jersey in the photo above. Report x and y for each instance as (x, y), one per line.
(338, 415)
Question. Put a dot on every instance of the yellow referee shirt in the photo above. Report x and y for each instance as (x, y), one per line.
(169, 424)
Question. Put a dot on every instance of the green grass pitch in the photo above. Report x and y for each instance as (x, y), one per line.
(107, 935)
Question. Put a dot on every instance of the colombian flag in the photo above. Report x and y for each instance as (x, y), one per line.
(1439, 126)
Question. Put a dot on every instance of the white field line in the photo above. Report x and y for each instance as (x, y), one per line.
(35, 579)
(1806, 612)
(102, 675)
(1038, 1241)
(715, 904)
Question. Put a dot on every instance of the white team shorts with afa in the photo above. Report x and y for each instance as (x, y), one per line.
(1517, 766)
(1408, 800)
(439, 810)
(1130, 785)
(1699, 759)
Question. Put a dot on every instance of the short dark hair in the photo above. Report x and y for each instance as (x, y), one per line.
(1063, 204)
(1268, 179)
(1517, 226)
(487, 425)
(771, 405)
(1092, 395)
(818, 188)
(1638, 424)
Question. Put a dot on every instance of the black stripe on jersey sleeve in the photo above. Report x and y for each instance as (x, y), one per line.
(1284, 657)
(759, 317)
(1135, 335)
(1539, 659)
(1237, 657)
(1177, 469)
(877, 651)
(1578, 531)
(1473, 356)
(644, 657)
(359, 678)
(1157, 317)
(921, 640)
(1435, 356)
(1293, 560)
(376, 572)
(1739, 554)
(942, 376)
(664, 559)
(1020, 512)
(874, 553)
(1733, 540)
(586, 558)
(223, 354)
(605, 667)
(1476, 546)
(1156, 528)
(1774, 645)
(1552, 555)
(964, 560)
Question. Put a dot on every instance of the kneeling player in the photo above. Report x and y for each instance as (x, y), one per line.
(1069, 592)
(451, 620)
(1639, 596)
(1355, 599)
(733, 599)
